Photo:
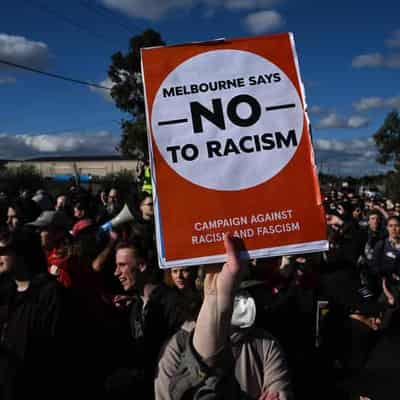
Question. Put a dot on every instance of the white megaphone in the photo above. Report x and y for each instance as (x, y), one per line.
(125, 215)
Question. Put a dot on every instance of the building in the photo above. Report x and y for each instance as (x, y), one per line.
(96, 166)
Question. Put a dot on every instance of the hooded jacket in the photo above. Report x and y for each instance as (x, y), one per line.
(256, 360)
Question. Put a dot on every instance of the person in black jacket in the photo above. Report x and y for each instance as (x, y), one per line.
(345, 241)
(30, 312)
(151, 310)
(355, 324)
(386, 260)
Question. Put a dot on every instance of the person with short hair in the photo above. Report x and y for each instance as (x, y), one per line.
(143, 227)
(109, 206)
(114, 205)
(14, 217)
(21, 211)
(146, 206)
(151, 309)
(81, 210)
(386, 259)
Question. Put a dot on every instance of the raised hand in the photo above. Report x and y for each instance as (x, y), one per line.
(225, 279)
(213, 323)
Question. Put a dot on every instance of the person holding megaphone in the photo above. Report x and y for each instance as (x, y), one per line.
(127, 215)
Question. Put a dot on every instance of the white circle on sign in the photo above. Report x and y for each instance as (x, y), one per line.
(241, 141)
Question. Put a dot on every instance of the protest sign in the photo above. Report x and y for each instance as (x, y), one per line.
(230, 150)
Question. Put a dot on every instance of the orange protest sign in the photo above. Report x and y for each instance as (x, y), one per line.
(230, 150)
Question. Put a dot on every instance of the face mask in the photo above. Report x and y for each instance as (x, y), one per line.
(244, 311)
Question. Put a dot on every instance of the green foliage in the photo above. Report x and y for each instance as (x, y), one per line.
(25, 176)
(128, 94)
(388, 184)
(125, 73)
(133, 141)
(387, 140)
(392, 185)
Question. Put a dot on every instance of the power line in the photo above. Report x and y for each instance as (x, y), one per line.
(107, 13)
(69, 21)
(51, 75)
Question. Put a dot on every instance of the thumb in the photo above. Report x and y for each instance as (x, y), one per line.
(233, 246)
(229, 245)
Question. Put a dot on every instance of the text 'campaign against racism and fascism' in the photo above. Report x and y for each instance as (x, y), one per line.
(230, 150)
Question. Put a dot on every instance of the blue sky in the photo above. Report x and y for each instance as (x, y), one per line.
(349, 53)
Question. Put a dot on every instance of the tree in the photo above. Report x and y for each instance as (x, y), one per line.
(25, 176)
(392, 187)
(127, 91)
(387, 140)
(133, 143)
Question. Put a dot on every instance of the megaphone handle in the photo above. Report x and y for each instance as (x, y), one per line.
(106, 227)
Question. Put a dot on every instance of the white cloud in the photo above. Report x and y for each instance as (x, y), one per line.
(329, 144)
(368, 60)
(263, 21)
(369, 103)
(156, 9)
(69, 143)
(20, 50)
(250, 4)
(103, 92)
(316, 110)
(348, 146)
(332, 121)
(379, 60)
(150, 9)
(355, 157)
(394, 41)
(357, 122)
(393, 102)
(375, 60)
(7, 81)
(335, 121)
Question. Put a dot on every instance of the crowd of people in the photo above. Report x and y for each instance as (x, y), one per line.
(88, 312)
